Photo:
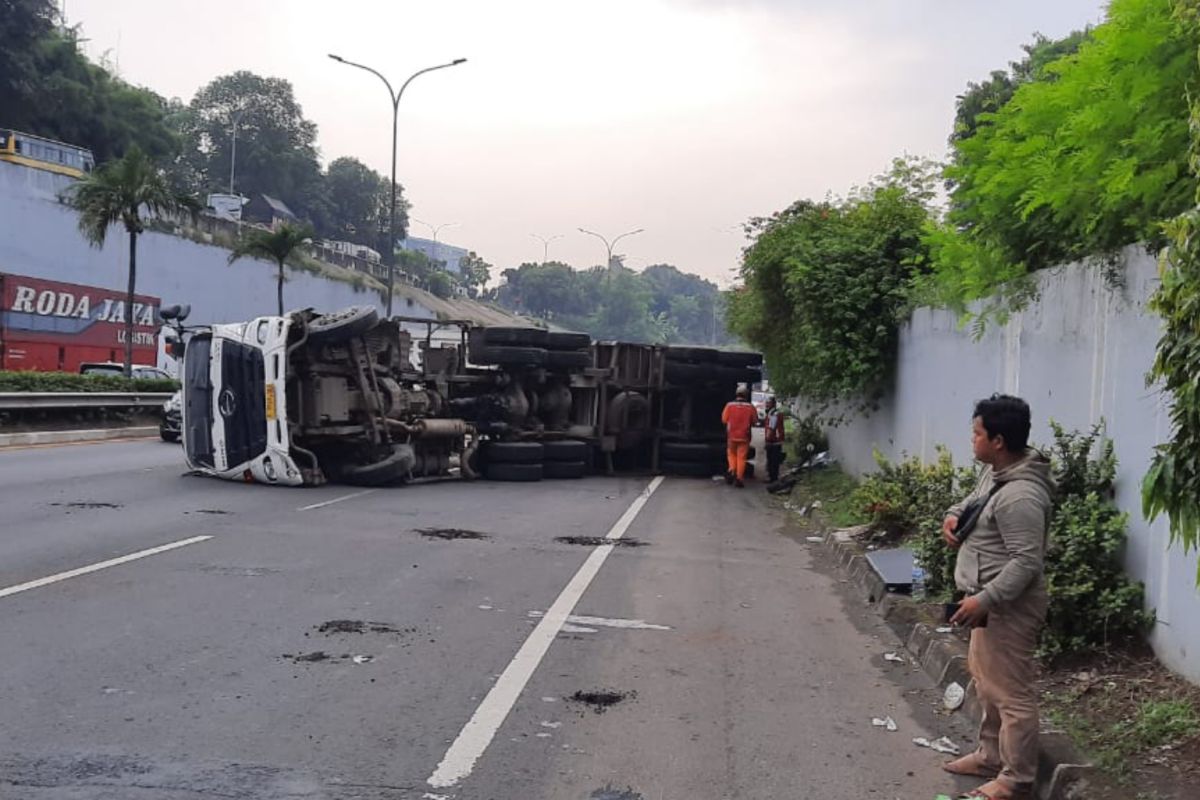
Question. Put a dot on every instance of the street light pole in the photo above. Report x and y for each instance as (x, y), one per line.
(546, 245)
(609, 246)
(395, 98)
(435, 229)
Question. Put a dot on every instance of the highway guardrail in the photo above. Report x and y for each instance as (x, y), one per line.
(25, 401)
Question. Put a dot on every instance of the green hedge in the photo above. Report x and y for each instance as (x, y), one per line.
(29, 381)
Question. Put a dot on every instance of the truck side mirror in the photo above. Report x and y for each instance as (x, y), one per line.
(175, 313)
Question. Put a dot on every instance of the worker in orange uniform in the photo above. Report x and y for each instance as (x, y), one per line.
(739, 417)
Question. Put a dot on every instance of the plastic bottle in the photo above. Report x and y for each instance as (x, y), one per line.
(918, 582)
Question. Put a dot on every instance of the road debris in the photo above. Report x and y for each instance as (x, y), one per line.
(942, 745)
(600, 700)
(814, 539)
(358, 626)
(954, 696)
(451, 533)
(893, 657)
(595, 541)
(363, 659)
(886, 722)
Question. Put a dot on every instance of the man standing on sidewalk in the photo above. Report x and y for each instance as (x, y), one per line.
(774, 438)
(739, 417)
(1000, 567)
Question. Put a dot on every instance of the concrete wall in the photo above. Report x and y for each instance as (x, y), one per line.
(39, 236)
(1079, 355)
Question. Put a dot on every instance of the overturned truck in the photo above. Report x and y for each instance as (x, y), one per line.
(310, 398)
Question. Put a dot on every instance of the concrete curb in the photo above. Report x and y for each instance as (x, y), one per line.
(31, 438)
(943, 656)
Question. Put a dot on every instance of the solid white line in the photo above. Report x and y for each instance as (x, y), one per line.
(477, 734)
(335, 500)
(112, 562)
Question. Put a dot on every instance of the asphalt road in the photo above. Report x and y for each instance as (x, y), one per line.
(731, 662)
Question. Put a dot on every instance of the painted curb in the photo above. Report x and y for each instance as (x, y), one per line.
(31, 438)
(943, 657)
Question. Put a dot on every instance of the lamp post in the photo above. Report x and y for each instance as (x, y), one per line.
(395, 98)
(546, 245)
(610, 245)
(435, 229)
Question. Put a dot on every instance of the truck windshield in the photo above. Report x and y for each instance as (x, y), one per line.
(197, 397)
(242, 401)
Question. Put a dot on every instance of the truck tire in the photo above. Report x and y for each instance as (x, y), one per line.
(511, 355)
(568, 359)
(168, 436)
(566, 450)
(681, 373)
(521, 337)
(513, 453)
(564, 470)
(688, 451)
(739, 358)
(692, 355)
(392, 469)
(342, 325)
(568, 340)
(688, 469)
(513, 472)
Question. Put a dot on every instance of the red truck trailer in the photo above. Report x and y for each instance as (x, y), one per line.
(49, 325)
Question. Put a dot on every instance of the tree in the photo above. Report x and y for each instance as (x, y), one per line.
(278, 245)
(121, 191)
(24, 24)
(825, 284)
(276, 145)
(475, 273)
(441, 284)
(357, 204)
(1087, 156)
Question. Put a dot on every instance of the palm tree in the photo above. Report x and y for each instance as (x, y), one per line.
(121, 191)
(277, 245)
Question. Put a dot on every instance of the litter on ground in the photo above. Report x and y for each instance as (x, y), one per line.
(954, 696)
(893, 657)
(942, 745)
(886, 722)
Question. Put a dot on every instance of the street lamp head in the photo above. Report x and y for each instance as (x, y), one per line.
(458, 61)
(337, 58)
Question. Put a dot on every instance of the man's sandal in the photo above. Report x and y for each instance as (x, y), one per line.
(971, 764)
(997, 790)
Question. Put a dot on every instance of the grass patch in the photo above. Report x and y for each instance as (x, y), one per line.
(834, 489)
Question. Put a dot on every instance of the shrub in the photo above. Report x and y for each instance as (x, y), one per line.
(30, 381)
(1093, 603)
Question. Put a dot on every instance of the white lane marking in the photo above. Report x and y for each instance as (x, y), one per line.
(112, 562)
(568, 628)
(605, 622)
(335, 500)
(477, 734)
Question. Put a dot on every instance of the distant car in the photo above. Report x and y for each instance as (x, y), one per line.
(759, 401)
(117, 370)
(172, 419)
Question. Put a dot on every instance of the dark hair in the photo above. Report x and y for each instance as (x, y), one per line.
(1007, 416)
(743, 393)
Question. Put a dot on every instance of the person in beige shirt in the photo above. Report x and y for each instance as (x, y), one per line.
(1000, 568)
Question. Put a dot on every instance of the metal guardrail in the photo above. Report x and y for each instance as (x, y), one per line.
(17, 401)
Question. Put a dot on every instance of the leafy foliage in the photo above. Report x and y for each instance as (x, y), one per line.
(661, 304)
(31, 381)
(1084, 158)
(121, 191)
(278, 245)
(910, 499)
(1172, 484)
(825, 283)
(1092, 602)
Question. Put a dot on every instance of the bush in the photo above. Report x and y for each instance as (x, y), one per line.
(30, 381)
(1092, 602)
(909, 500)
(807, 437)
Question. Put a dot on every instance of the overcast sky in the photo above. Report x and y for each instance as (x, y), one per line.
(683, 117)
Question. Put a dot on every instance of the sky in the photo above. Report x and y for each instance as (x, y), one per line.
(680, 117)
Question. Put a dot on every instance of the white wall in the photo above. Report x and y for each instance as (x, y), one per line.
(1079, 355)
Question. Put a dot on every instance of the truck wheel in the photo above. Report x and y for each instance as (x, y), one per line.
(513, 453)
(513, 472)
(392, 469)
(564, 470)
(509, 355)
(567, 359)
(568, 340)
(528, 337)
(168, 436)
(342, 325)
(566, 450)
(692, 355)
(739, 358)
(688, 469)
(687, 451)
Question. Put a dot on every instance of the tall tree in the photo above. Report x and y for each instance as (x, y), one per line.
(357, 201)
(24, 24)
(475, 273)
(276, 152)
(278, 245)
(120, 191)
